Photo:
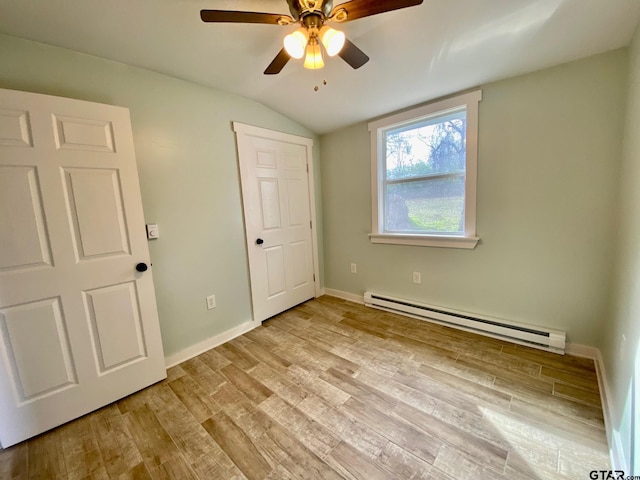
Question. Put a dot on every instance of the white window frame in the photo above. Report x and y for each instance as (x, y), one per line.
(377, 130)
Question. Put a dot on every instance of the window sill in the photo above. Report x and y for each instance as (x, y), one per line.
(444, 241)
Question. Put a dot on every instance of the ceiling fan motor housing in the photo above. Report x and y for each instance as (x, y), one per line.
(301, 8)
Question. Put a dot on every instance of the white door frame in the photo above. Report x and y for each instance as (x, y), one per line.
(244, 129)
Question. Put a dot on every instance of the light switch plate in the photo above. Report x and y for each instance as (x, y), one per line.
(153, 231)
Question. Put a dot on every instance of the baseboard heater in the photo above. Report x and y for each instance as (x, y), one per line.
(532, 336)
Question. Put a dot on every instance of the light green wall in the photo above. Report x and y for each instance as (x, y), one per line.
(186, 154)
(548, 167)
(620, 357)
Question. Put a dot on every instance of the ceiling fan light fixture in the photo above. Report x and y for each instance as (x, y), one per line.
(295, 43)
(333, 40)
(313, 60)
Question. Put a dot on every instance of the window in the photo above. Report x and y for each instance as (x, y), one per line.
(423, 166)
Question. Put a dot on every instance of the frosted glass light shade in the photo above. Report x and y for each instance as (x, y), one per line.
(295, 43)
(333, 40)
(313, 60)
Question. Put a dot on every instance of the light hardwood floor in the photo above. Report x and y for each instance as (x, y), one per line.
(332, 389)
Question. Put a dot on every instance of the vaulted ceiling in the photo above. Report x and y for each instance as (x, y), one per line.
(417, 54)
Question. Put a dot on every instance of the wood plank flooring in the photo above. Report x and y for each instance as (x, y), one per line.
(332, 390)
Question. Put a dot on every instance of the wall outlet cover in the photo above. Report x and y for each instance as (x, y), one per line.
(211, 302)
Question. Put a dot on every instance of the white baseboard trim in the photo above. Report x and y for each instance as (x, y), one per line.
(616, 454)
(616, 451)
(585, 351)
(201, 347)
(605, 395)
(352, 297)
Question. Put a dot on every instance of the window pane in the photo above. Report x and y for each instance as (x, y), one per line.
(426, 206)
(431, 146)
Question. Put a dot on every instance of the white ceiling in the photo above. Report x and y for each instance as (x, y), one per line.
(417, 54)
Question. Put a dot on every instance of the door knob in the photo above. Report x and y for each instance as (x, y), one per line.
(142, 267)
(259, 241)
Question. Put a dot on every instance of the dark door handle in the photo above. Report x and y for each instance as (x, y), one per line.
(142, 267)
(259, 241)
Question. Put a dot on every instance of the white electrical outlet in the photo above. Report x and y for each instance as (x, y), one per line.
(417, 278)
(354, 268)
(211, 302)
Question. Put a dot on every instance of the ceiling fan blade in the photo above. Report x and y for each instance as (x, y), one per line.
(230, 16)
(278, 63)
(353, 55)
(364, 8)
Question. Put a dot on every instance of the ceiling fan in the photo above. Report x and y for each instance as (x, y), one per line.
(312, 15)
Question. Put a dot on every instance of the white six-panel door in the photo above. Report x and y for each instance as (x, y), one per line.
(276, 197)
(78, 324)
